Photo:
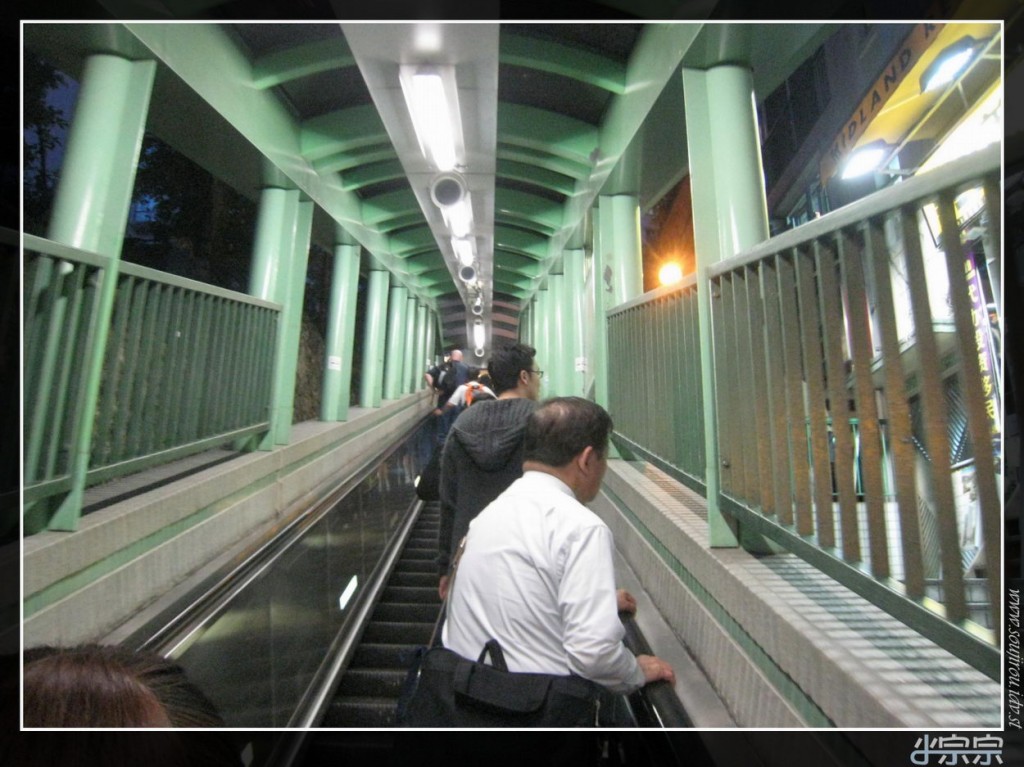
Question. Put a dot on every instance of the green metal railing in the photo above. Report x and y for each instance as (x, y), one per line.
(183, 367)
(654, 389)
(807, 330)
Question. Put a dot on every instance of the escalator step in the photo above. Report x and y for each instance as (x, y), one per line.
(361, 712)
(397, 633)
(372, 682)
(422, 595)
(405, 611)
(416, 566)
(370, 655)
(423, 580)
(420, 550)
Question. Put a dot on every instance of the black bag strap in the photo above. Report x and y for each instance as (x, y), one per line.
(497, 655)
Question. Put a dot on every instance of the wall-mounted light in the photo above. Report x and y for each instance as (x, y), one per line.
(949, 64)
(432, 99)
(864, 160)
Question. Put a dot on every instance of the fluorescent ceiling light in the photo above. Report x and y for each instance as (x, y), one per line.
(863, 161)
(432, 99)
(478, 334)
(459, 217)
(463, 248)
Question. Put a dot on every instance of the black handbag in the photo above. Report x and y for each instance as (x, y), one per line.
(452, 691)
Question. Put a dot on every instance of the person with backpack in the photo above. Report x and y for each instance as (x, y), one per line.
(484, 451)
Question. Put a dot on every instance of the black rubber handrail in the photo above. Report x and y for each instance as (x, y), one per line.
(655, 704)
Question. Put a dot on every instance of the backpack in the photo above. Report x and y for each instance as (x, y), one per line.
(446, 383)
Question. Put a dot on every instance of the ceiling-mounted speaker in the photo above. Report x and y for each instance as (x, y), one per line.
(467, 274)
(478, 309)
(447, 190)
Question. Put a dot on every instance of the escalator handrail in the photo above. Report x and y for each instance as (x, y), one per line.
(656, 703)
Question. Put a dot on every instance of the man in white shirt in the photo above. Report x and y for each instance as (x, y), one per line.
(537, 573)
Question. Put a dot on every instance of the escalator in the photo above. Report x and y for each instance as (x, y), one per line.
(403, 620)
(317, 628)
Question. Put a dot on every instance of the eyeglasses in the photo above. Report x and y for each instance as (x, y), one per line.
(539, 373)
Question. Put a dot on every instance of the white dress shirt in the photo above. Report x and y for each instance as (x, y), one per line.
(538, 575)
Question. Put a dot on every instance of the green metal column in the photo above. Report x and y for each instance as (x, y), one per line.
(620, 247)
(422, 325)
(603, 301)
(572, 267)
(280, 254)
(341, 332)
(294, 298)
(395, 360)
(544, 359)
(729, 215)
(371, 380)
(559, 357)
(428, 358)
(409, 362)
(90, 211)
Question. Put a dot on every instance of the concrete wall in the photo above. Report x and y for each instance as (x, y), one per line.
(81, 586)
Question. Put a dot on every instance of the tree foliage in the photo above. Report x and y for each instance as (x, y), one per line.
(45, 129)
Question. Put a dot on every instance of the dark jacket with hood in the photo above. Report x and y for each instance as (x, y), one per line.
(482, 456)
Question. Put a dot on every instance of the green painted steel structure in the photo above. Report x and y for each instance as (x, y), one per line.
(711, 379)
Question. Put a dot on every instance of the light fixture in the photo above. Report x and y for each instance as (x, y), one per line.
(432, 99)
(949, 64)
(467, 273)
(864, 160)
(670, 273)
(478, 306)
(464, 250)
(478, 334)
(459, 217)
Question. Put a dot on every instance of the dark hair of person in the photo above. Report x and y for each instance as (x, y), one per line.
(94, 685)
(562, 427)
(505, 364)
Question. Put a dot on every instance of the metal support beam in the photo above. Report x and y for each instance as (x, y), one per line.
(395, 360)
(729, 215)
(90, 211)
(341, 331)
(371, 381)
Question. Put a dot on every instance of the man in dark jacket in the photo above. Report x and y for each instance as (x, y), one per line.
(483, 453)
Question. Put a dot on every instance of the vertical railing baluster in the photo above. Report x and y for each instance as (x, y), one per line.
(725, 376)
(832, 315)
(794, 377)
(775, 395)
(142, 399)
(157, 384)
(897, 411)
(74, 288)
(867, 410)
(936, 434)
(814, 369)
(746, 397)
(981, 423)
